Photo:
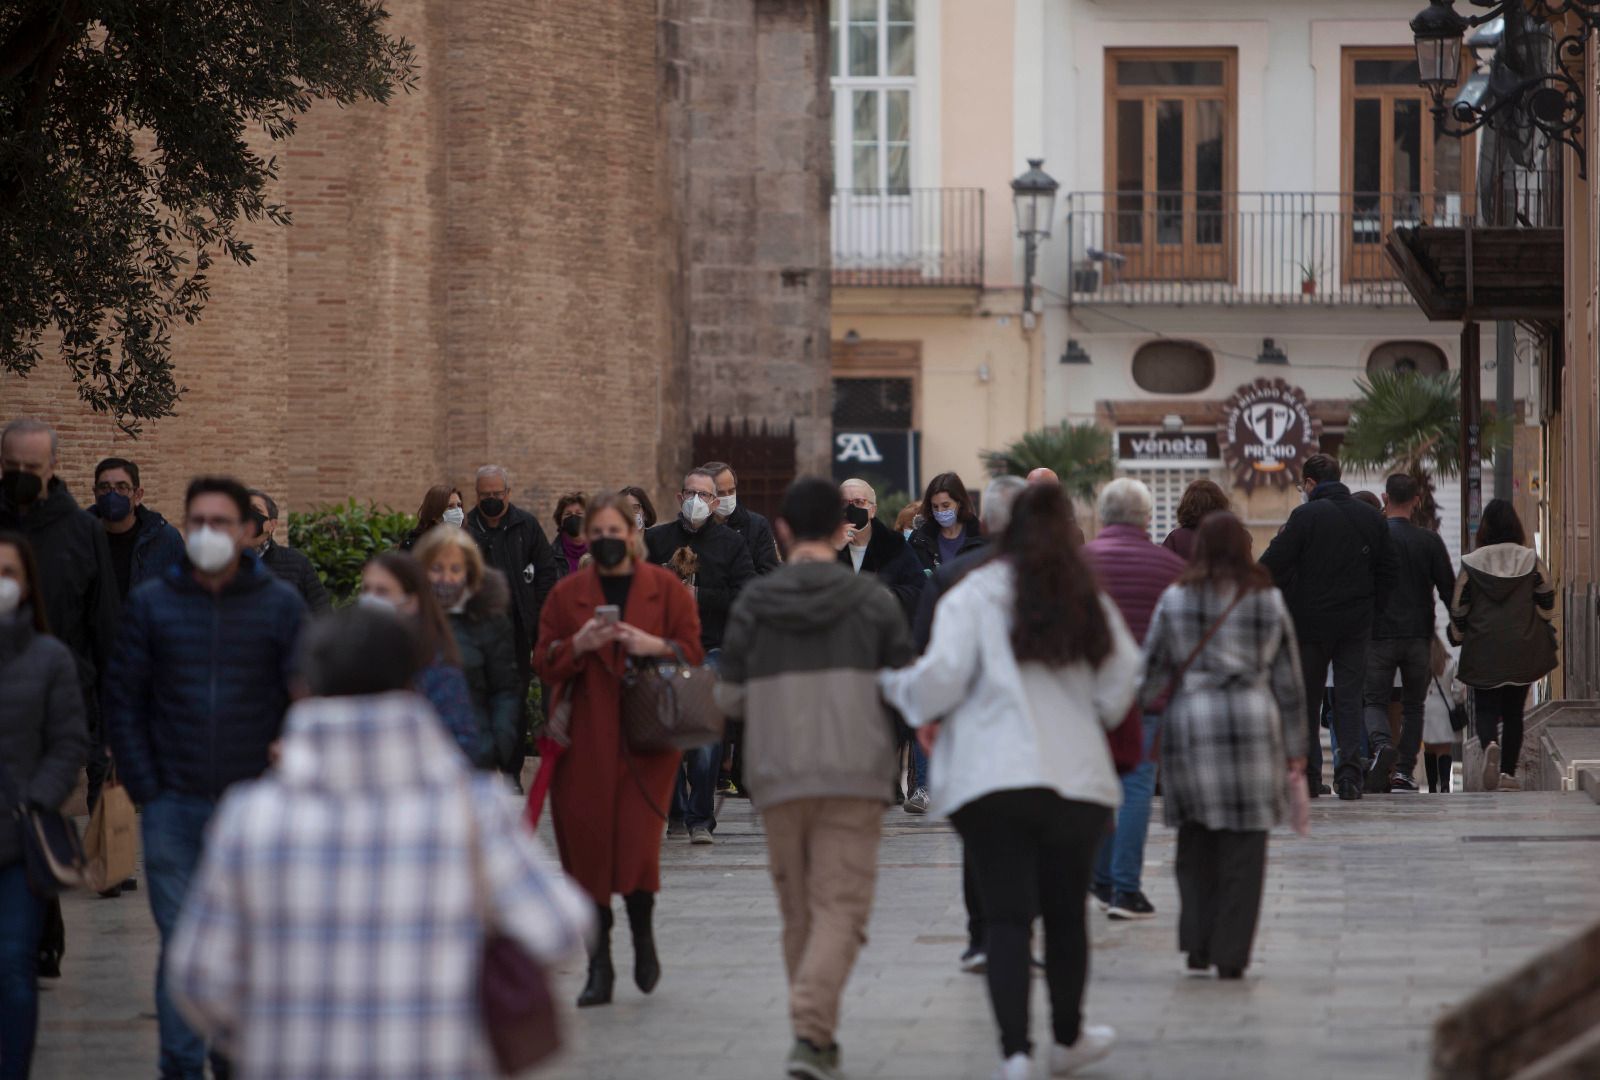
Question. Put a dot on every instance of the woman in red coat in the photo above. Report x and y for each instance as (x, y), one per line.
(608, 805)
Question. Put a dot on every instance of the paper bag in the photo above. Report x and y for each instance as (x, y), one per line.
(112, 843)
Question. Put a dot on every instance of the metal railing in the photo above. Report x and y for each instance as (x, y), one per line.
(914, 237)
(1268, 248)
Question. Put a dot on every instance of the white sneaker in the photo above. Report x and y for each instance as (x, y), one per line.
(1094, 1042)
(918, 803)
(1015, 1067)
(700, 835)
(1509, 782)
(1491, 767)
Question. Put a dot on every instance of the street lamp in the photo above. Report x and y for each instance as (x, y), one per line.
(1033, 194)
(1550, 102)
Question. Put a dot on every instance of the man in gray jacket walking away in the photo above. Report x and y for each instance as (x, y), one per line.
(799, 664)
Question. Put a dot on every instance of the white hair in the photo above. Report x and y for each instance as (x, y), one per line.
(27, 425)
(997, 499)
(1126, 501)
(495, 470)
(871, 492)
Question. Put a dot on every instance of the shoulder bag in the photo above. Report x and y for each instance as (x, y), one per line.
(1458, 712)
(52, 851)
(514, 1001)
(668, 704)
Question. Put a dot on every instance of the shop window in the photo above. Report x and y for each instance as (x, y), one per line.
(872, 404)
(1414, 356)
(1173, 367)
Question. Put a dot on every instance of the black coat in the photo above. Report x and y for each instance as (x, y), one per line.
(940, 582)
(78, 581)
(293, 566)
(756, 532)
(890, 558)
(197, 688)
(725, 567)
(1335, 564)
(925, 544)
(1422, 568)
(493, 668)
(156, 546)
(43, 736)
(519, 549)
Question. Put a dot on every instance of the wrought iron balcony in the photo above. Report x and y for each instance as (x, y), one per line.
(1269, 248)
(910, 238)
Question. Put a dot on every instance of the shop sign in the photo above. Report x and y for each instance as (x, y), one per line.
(1167, 446)
(1267, 433)
(888, 460)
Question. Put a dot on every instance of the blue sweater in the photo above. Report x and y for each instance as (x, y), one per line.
(198, 682)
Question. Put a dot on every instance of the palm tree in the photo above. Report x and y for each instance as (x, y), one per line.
(1410, 423)
(1080, 454)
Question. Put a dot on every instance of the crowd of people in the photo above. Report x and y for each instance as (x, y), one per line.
(978, 659)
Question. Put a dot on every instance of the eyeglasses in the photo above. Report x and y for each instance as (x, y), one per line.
(123, 488)
(703, 496)
(865, 504)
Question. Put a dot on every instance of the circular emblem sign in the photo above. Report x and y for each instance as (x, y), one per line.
(1267, 432)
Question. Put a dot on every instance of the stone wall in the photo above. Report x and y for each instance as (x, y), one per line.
(591, 225)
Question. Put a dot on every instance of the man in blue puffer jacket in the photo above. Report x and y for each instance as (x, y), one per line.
(195, 696)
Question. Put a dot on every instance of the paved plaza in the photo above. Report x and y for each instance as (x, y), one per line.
(1395, 908)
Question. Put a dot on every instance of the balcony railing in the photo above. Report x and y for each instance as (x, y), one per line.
(916, 237)
(1258, 248)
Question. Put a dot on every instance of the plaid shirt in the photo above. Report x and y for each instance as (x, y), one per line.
(333, 928)
(1239, 712)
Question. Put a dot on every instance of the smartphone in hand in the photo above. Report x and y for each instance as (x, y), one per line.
(609, 614)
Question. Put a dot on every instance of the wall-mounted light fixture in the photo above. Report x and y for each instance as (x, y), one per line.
(1074, 353)
(1271, 354)
(851, 337)
(1172, 423)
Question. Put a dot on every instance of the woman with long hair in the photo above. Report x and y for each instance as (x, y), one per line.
(442, 505)
(396, 581)
(608, 803)
(570, 545)
(949, 523)
(477, 602)
(1233, 738)
(639, 506)
(1200, 499)
(44, 741)
(1028, 668)
(1500, 616)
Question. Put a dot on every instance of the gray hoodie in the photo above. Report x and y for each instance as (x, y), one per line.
(799, 663)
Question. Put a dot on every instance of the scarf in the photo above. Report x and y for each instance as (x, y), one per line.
(573, 550)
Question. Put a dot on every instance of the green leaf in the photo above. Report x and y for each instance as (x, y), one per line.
(1080, 454)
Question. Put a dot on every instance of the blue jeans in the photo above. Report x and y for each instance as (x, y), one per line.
(694, 797)
(1120, 864)
(21, 919)
(919, 765)
(174, 836)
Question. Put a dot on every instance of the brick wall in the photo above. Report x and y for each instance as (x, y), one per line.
(579, 234)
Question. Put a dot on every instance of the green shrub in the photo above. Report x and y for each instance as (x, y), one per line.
(340, 539)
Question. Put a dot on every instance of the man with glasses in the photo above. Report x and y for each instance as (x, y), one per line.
(715, 564)
(261, 530)
(143, 544)
(514, 543)
(195, 697)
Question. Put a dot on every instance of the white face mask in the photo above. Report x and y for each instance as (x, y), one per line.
(455, 516)
(10, 596)
(210, 550)
(945, 518)
(377, 603)
(695, 511)
(638, 521)
(728, 504)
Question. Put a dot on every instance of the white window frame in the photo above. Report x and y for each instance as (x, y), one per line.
(845, 86)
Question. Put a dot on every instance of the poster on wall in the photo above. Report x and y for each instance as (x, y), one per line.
(888, 460)
(1266, 434)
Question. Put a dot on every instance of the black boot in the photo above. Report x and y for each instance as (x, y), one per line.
(602, 976)
(1430, 762)
(1445, 776)
(646, 965)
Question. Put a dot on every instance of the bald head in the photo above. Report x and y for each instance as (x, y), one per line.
(1044, 476)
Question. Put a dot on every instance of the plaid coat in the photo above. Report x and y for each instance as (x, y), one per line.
(333, 929)
(1239, 712)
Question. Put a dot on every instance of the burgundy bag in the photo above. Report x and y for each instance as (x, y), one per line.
(1127, 742)
(514, 1000)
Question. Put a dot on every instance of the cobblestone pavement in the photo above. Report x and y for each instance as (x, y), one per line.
(1395, 907)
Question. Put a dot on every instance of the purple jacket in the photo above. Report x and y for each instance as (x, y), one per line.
(1133, 571)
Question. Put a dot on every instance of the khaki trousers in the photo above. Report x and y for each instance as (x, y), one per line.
(823, 854)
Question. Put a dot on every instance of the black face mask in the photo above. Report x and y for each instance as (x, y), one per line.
(572, 525)
(857, 516)
(609, 551)
(492, 508)
(20, 488)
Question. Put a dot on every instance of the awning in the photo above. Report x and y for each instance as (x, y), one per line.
(1481, 274)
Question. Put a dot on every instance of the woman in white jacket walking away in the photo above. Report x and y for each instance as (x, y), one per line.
(1028, 667)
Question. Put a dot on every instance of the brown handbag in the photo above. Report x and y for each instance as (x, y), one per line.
(514, 1000)
(669, 705)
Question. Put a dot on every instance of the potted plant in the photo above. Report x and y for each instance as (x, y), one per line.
(1308, 278)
